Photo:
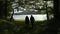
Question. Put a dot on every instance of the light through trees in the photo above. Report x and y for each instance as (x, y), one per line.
(35, 6)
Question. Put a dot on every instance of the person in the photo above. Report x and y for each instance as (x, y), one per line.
(32, 20)
(27, 21)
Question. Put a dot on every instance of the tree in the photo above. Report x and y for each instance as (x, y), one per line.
(56, 14)
(54, 25)
(1, 9)
(47, 12)
(5, 7)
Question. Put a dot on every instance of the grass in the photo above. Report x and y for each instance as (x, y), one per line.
(35, 21)
(19, 27)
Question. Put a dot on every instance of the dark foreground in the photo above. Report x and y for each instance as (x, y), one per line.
(15, 27)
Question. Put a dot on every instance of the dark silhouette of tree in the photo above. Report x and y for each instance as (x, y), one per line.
(54, 25)
(56, 15)
(5, 8)
(1, 9)
(8, 8)
(27, 21)
(47, 12)
(11, 18)
(32, 20)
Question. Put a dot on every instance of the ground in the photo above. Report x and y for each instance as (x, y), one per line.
(19, 27)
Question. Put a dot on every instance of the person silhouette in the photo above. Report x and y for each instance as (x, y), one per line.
(27, 21)
(32, 20)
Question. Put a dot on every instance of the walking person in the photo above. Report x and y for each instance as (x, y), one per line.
(32, 20)
(27, 21)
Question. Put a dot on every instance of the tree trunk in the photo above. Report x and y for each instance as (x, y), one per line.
(56, 14)
(12, 16)
(47, 12)
(53, 27)
(5, 12)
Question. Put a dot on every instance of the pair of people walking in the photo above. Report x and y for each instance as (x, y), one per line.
(32, 20)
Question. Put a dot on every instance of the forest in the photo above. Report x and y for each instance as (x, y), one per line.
(10, 26)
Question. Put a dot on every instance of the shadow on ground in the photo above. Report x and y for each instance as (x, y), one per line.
(20, 28)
